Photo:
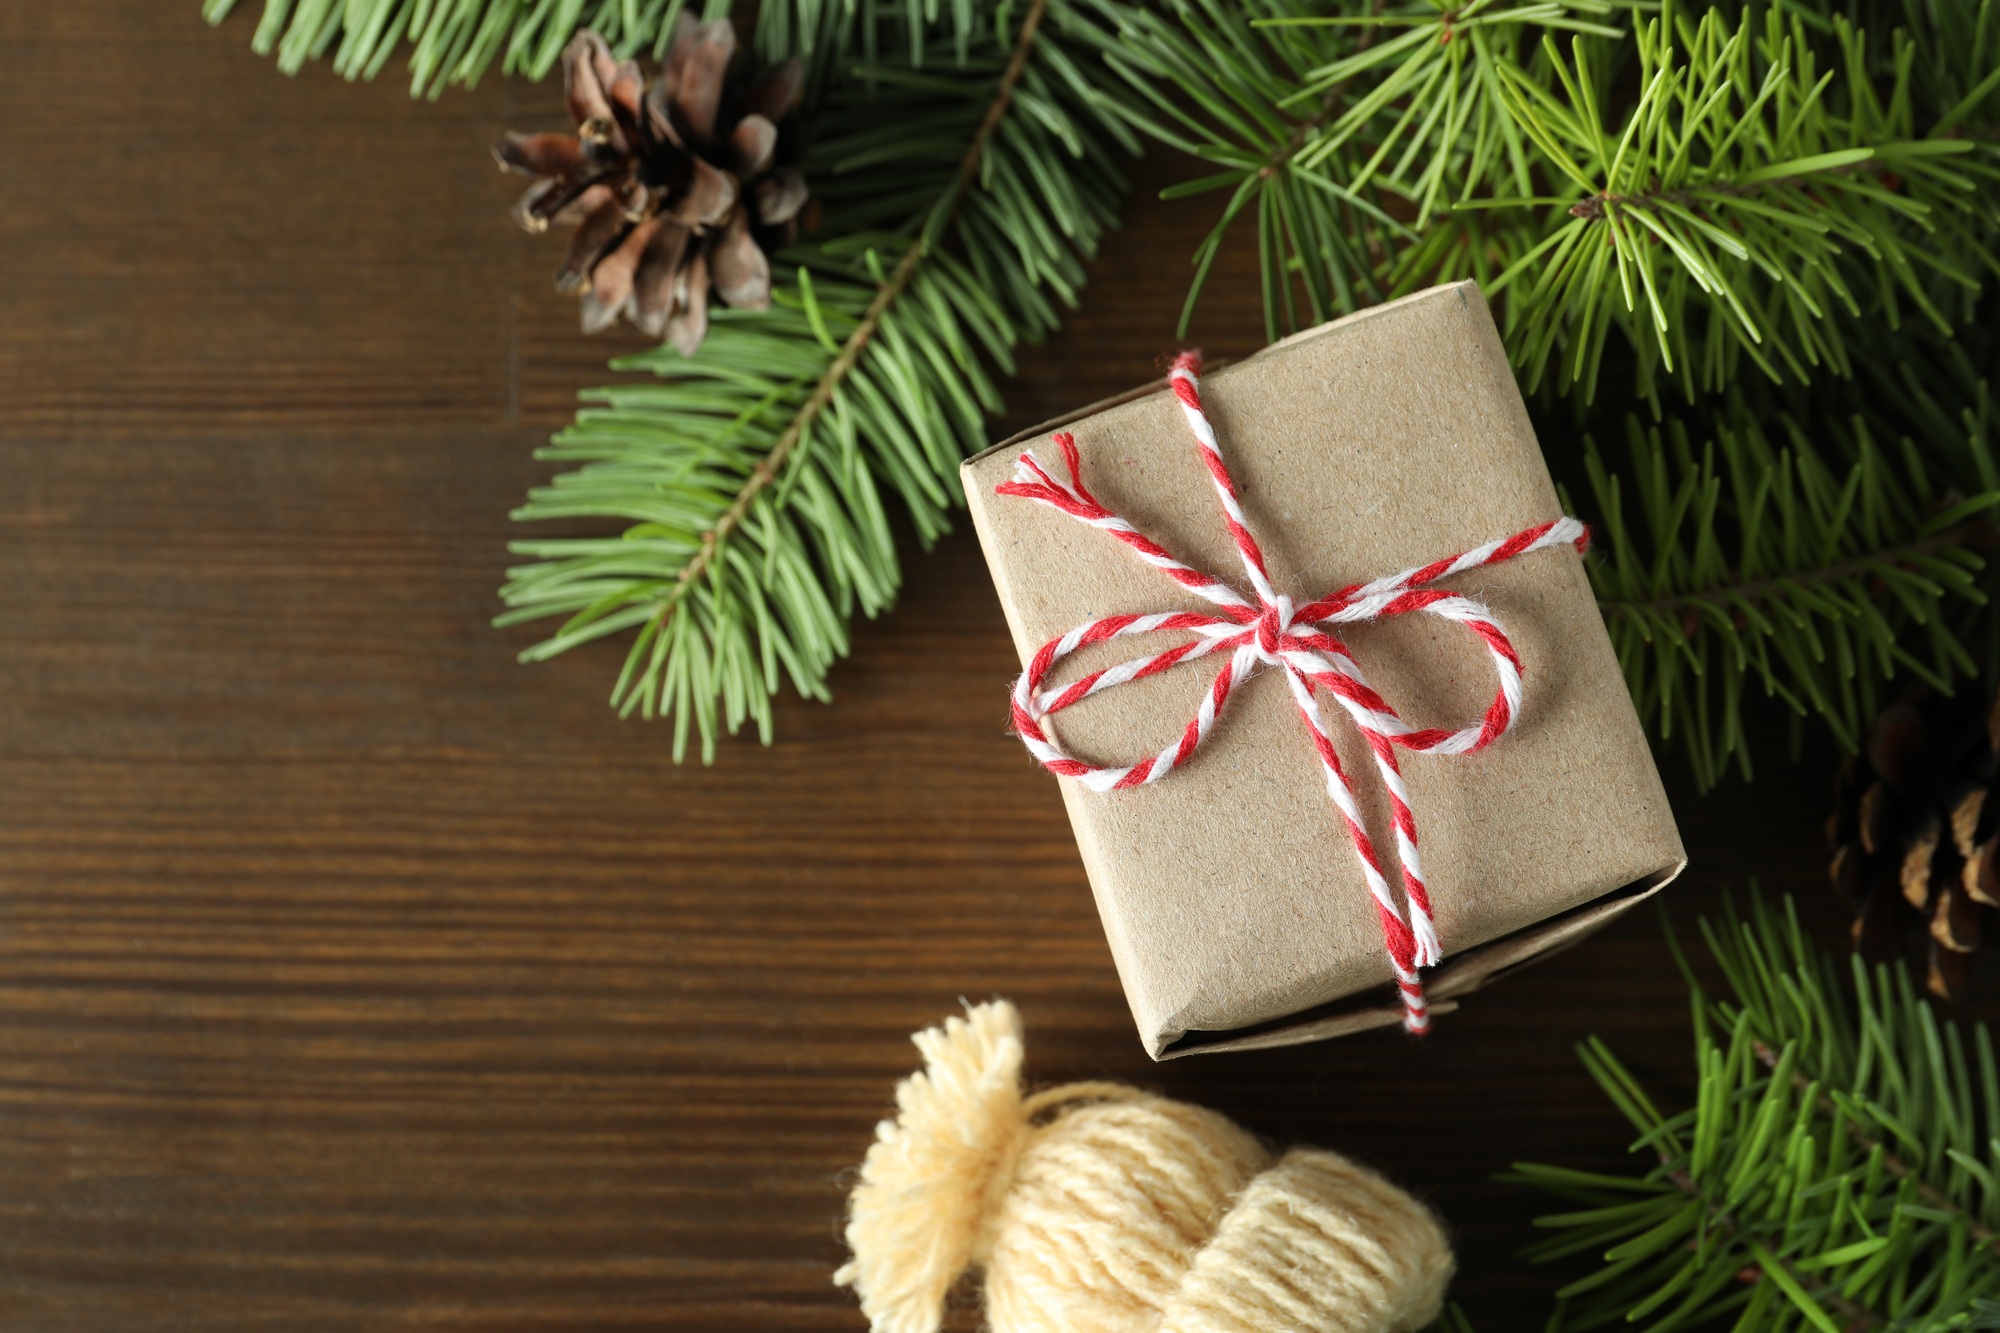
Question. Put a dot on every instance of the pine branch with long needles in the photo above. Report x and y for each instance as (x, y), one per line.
(1207, 84)
(454, 42)
(961, 200)
(1746, 198)
(1815, 570)
(1710, 185)
(1330, 131)
(1809, 544)
(1838, 1170)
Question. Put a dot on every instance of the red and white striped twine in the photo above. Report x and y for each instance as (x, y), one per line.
(1271, 631)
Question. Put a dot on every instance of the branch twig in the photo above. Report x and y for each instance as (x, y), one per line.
(1327, 106)
(1596, 207)
(1975, 531)
(886, 295)
(1856, 1318)
(1932, 1196)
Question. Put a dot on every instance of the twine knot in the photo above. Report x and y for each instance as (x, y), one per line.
(1269, 632)
(1273, 628)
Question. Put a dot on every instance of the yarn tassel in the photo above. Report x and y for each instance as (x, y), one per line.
(928, 1181)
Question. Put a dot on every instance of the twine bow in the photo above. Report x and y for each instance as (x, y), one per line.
(1273, 632)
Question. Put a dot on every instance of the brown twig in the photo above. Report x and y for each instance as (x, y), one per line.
(1975, 531)
(1327, 106)
(1596, 207)
(898, 282)
(1855, 1318)
(1932, 1196)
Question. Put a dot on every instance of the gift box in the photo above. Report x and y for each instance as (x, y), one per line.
(1268, 623)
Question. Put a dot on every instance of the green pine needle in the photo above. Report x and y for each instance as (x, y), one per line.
(1713, 186)
(757, 476)
(1265, 102)
(1814, 569)
(1838, 1170)
(1740, 206)
(451, 43)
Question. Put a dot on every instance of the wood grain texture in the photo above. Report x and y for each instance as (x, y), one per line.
(353, 976)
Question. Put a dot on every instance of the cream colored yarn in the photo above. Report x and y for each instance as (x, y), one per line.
(1098, 1208)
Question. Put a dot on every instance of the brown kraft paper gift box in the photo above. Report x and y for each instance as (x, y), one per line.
(1232, 898)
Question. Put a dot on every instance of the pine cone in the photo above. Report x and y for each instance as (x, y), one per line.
(675, 188)
(1916, 834)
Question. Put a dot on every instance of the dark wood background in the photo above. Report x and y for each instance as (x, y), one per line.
(353, 976)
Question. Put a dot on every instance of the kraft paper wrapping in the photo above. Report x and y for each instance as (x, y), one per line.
(1230, 893)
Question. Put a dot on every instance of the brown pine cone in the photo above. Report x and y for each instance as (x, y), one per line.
(1916, 834)
(675, 188)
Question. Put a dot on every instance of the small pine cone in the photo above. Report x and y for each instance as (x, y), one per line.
(1916, 839)
(676, 189)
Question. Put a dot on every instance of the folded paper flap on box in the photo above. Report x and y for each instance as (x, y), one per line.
(1229, 893)
(1459, 977)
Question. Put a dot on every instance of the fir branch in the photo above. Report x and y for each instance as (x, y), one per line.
(1818, 567)
(1313, 120)
(1852, 1316)
(1892, 1162)
(1953, 47)
(1837, 1169)
(453, 42)
(1751, 201)
(1440, 99)
(1334, 131)
(1976, 533)
(959, 207)
(1825, 540)
(1767, 177)
(768, 469)
(1208, 81)
(1667, 203)
(886, 296)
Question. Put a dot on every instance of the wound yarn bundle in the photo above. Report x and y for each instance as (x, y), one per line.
(1099, 1208)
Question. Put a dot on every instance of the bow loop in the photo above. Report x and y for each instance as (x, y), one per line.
(1266, 630)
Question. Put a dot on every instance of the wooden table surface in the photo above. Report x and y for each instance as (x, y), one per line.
(353, 976)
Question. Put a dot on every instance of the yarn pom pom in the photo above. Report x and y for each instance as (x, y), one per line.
(936, 1174)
